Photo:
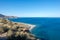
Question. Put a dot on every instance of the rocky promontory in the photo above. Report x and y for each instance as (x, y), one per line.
(15, 31)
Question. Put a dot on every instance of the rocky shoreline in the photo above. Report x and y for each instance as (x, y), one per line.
(16, 31)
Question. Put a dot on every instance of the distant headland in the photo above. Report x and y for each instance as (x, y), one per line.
(4, 16)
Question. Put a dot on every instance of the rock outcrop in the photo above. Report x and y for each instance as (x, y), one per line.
(15, 31)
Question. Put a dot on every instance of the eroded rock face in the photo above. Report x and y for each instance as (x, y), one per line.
(15, 31)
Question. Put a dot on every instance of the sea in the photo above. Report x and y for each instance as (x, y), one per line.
(46, 28)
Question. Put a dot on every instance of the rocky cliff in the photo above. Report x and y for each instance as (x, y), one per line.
(15, 31)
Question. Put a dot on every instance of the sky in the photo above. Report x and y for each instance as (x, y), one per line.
(30, 8)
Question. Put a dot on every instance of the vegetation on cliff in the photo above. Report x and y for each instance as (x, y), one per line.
(15, 31)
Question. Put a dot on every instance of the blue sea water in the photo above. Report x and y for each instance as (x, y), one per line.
(46, 28)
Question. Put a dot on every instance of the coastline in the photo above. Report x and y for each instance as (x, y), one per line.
(29, 26)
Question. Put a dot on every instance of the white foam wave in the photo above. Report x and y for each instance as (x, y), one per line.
(30, 26)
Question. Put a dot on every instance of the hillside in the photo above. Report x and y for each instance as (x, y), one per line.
(15, 31)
